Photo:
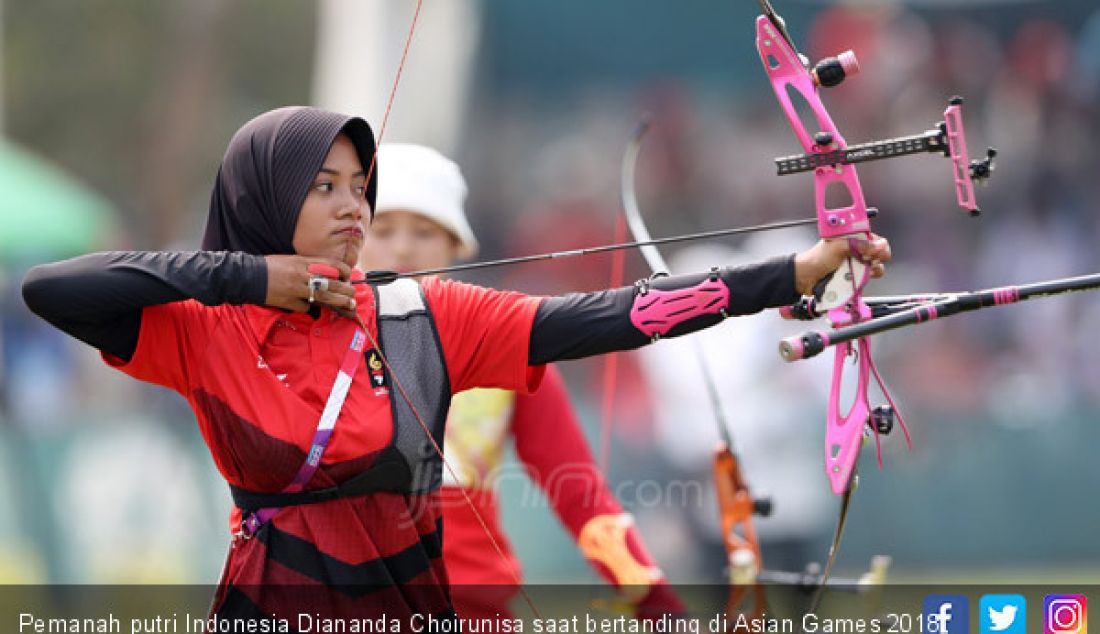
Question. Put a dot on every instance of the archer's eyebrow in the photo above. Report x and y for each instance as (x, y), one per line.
(332, 172)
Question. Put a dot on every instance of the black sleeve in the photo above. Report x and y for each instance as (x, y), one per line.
(586, 324)
(98, 298)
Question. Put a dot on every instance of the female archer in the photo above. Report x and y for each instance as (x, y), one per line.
(323, 401)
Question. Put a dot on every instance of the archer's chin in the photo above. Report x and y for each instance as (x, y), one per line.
(348, 252)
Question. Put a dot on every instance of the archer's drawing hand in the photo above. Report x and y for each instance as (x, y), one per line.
(288, 284)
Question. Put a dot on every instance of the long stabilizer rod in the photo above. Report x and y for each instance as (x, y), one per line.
(811, 343)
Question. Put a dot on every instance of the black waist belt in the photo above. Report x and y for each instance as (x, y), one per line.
(389, 473)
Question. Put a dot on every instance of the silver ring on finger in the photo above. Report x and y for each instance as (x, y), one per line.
(317, 284)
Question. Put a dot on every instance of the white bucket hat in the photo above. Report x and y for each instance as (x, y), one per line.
(419, 179)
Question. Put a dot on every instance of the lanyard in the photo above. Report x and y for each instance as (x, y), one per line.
(339, 393)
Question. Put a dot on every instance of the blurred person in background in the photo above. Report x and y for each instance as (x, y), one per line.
(343, 522)
(420, 223)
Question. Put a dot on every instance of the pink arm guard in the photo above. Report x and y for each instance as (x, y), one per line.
(656, 312)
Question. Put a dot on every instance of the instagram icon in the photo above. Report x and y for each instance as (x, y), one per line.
(1065, 614)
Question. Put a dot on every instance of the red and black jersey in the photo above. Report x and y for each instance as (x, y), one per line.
(257, 379)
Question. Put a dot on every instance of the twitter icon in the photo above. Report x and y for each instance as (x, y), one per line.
(1003, 614)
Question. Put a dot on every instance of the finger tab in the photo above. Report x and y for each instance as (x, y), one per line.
(324, 270)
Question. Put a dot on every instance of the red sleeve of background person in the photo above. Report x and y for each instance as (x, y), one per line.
(552, 446)
(485, 335)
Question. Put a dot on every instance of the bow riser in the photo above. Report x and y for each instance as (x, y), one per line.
(842, 295)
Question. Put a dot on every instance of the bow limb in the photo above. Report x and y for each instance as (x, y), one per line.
(629, 195)
(735, 502)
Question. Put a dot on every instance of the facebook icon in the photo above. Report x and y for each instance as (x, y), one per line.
(946, 614)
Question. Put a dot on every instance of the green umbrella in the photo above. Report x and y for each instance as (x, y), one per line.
(44, 212)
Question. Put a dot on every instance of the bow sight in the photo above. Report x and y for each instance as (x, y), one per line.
(947, 138)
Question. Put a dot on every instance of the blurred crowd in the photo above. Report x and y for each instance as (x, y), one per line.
(122, 458)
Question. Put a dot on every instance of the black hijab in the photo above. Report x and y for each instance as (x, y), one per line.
(266, 173)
